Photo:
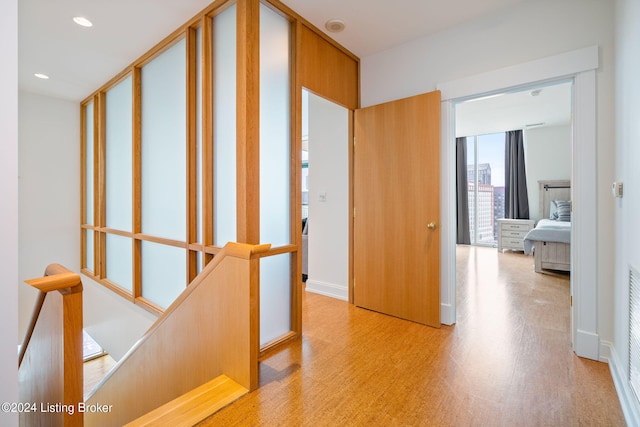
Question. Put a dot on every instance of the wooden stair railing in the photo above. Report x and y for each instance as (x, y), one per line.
(50, 369)
(212, 329)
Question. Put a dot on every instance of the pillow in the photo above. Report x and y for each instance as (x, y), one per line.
(563, 210)
(553, 210)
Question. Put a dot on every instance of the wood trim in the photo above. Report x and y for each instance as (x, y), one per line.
(296, 180)
(212, 250)
(191, 154)
(57, 282)
(245, 251)
(248, 120)
(194, 406)
(207, 136)
(351, 282)
(149, 306)
(279, 250)
(114, 231)
(198, 247)
(83, 185)
(161, 240)
(117, 289)
(99, 178)
(277, 343)
(254, 319)
(136, 192)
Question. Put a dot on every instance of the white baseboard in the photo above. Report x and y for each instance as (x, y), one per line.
(605, 351)
(626, 396)
(447, 316)
(587, 345)
(328, 289)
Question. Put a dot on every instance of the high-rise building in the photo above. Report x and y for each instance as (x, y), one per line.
(484, 173)
(484, 220)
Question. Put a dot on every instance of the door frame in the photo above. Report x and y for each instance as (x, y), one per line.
(580, 66)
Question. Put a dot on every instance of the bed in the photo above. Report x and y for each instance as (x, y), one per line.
(550, 240)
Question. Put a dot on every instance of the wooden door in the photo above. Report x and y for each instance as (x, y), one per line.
(397, 208)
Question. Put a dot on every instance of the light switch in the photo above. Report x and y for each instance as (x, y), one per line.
(322, 197)
(616, 189)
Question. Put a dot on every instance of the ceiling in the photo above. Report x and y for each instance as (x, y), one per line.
(548, 105)
(79, 60)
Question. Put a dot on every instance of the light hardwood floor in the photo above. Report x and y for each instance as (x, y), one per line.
(507, 362)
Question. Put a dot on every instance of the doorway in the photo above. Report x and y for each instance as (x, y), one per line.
(579, 65)
(325, 196)
(493, 282)
(543, 114)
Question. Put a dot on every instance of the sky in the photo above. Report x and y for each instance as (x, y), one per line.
(490, 150)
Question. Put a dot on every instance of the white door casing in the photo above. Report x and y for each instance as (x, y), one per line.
(580, 66)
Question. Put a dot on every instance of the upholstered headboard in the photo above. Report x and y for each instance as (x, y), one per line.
(558, 189)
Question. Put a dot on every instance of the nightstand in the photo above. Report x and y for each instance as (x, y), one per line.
(511, 233)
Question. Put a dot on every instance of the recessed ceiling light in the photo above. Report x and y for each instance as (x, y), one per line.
(335, 25)
(41, 76)
(81, 20)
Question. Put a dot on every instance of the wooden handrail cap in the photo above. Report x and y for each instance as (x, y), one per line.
(244, 250)
(57, 282)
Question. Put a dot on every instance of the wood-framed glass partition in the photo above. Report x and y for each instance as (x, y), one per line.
(193, 145)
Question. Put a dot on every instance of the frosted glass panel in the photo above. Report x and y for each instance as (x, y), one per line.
(164, 144)
(118, 156)
(88, 239)
(119, 259)
(88, 196)
(224, 147)
(275, 143)
(164, 272)
(275, 297)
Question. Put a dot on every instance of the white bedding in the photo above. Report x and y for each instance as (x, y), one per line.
(548, 230)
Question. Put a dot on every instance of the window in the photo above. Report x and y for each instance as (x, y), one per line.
(485, 175)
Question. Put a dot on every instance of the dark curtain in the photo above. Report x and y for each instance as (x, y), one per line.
(516, 198)
(462, 197)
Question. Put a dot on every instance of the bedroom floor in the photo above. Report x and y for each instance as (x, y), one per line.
(507, 362)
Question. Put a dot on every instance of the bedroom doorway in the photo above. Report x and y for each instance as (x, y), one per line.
(580, 66)
(542, 115)
(490, 279)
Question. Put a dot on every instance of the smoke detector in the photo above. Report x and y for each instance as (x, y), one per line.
(335, 25)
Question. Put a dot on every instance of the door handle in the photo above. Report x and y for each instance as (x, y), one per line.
(431, 225)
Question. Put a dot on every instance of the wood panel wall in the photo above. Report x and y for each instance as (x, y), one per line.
(326, 70)
(51, 373)
(210, 330)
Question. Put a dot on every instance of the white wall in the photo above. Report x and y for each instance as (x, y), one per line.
(9, 207)
(627, 209)
(49, 204)
(522, 33)
(49, 231)
(547, 156)
(328, 218)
